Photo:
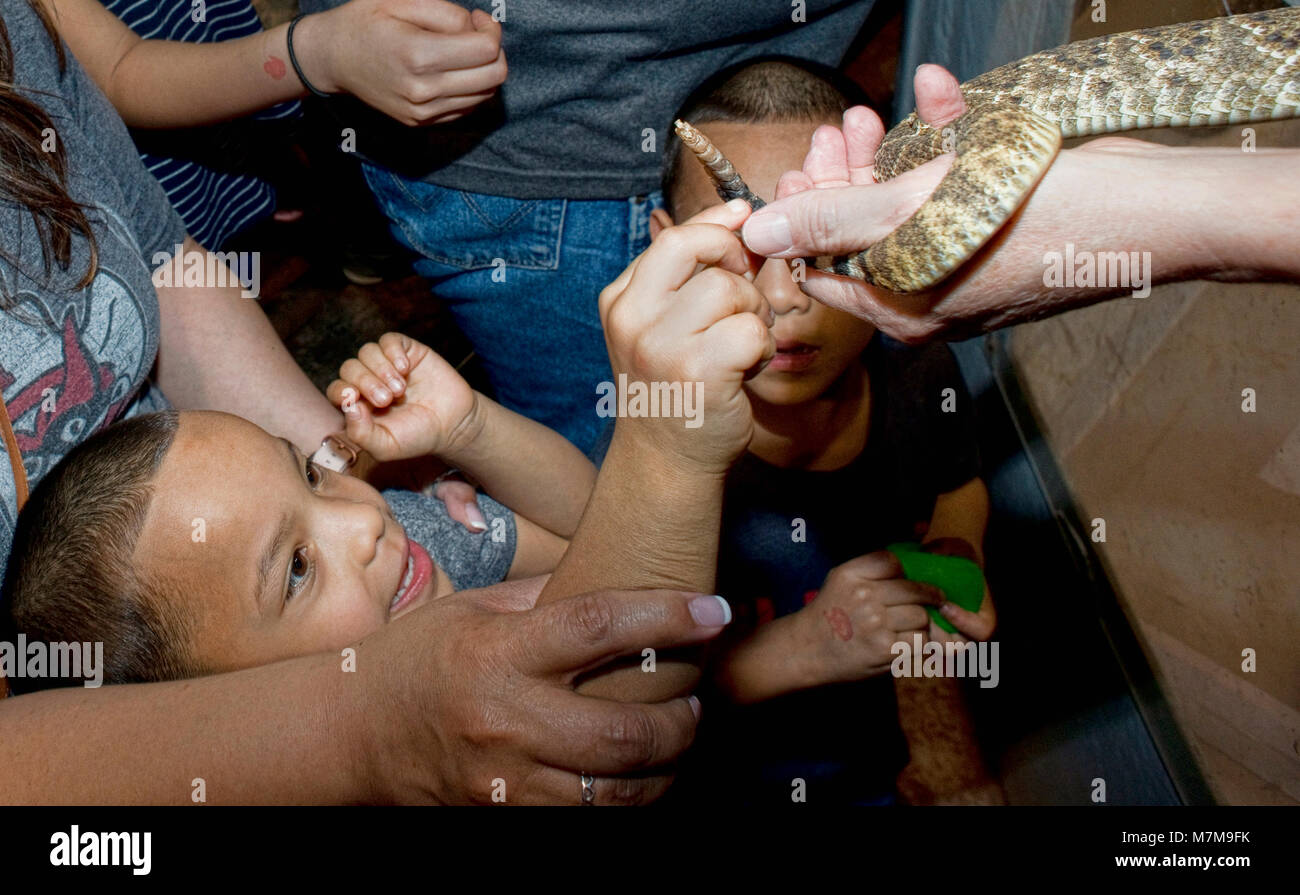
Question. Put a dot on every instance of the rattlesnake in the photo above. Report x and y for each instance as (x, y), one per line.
(1230, 70)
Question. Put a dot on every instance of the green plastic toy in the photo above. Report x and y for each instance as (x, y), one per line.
(961, 580)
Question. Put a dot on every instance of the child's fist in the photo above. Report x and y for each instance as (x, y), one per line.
(863, 609)
(401, 399)
(685, 319)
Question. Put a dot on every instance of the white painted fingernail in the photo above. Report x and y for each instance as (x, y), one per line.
(710, 611)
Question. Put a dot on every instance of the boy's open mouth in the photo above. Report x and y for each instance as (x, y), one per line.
(419, 571)
(792, 356)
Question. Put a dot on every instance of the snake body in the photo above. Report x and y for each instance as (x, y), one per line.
(1231, 70)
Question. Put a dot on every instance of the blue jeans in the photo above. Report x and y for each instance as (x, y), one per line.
(521, 277)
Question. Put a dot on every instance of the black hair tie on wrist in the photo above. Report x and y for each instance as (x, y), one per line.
(293, 59)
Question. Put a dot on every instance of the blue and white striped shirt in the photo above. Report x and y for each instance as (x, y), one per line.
(214, 204)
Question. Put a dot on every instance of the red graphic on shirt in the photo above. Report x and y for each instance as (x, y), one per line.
(80, 383)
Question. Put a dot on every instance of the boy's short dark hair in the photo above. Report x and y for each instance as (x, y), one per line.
(761, 91)
(70, 576)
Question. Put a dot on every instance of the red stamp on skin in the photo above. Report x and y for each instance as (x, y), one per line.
(838, 619)
(274, 67)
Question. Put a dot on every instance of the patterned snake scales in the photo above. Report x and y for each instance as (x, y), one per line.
(1232, 70)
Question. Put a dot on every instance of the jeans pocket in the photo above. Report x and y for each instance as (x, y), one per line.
(468, 230)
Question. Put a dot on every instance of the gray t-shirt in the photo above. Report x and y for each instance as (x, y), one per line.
(71, 362)
(592, 87)
(470, 559)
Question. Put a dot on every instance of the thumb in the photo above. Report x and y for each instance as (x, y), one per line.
(819, 222)
(840, 220)
(971, 624)
(359, 424)
(433, 15)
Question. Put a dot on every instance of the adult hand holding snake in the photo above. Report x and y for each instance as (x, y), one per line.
(1217, 213)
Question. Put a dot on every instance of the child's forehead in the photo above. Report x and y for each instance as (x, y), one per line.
(220, 477)
(219, 439)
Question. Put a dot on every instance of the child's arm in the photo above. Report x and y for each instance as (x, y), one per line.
(358, 47)
(846, 633)
(684, 314)
(401, 399)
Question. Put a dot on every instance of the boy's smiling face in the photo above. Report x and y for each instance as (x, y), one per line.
(815, 344)
(293, 558)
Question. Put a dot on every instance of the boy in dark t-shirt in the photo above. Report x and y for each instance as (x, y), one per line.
(859, 442)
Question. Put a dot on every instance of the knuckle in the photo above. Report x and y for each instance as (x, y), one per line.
(459, 17)
(720, 283)
(631, 739)
(592, 618)
(694, 368)
(644, 353)
(673, 240)
(413, 90)
(623, 791)
(605, 299)
(756, 329)
(621, 319)
(821, 220)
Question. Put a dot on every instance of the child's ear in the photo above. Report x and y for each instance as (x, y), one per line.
(660, 220)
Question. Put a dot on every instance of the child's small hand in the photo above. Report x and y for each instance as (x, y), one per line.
(848, 631)
(970, 625)
(684, 317)
(401, 399)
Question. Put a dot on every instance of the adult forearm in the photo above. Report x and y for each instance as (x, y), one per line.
(274, 734)
(650, 523)
(1199, 213)
(219, 352)
(510, 454)
(946, 764)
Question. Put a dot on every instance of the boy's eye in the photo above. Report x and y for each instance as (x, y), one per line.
(299, 571)
(315, 474)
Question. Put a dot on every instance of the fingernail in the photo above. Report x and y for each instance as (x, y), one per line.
(737, 205)
(710, 611)
(768, 234)
(947, 610)
(401, 364)
(695, 705)
(475, 516)
(395, 384)
(383, 395)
